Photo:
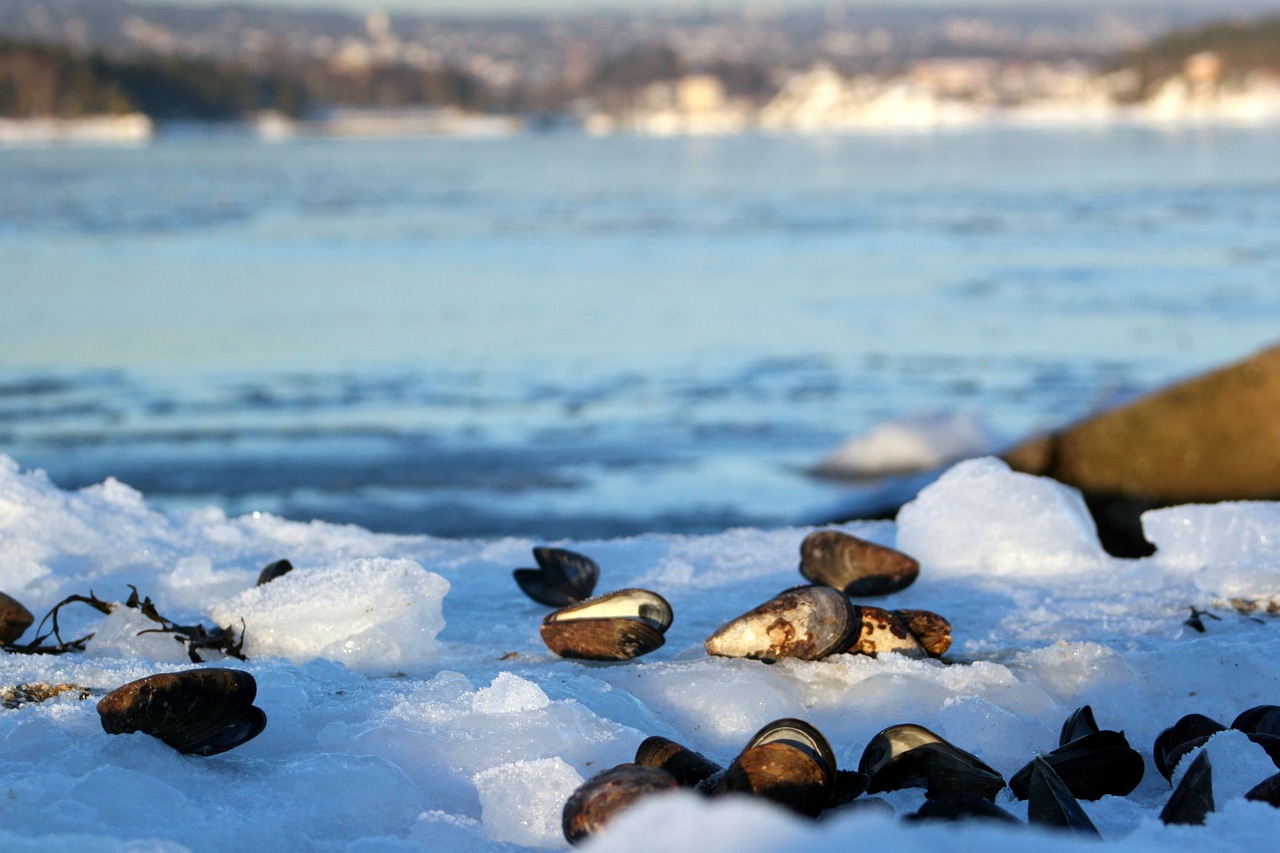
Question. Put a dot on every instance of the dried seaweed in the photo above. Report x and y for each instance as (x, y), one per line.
(196, 637)
(39, 691)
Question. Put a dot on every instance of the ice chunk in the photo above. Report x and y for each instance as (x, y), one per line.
(1238, 765)
(373, 615)
(522, 802)
(983, 517)
(126, 633)
(1228, 548)
(509, 694)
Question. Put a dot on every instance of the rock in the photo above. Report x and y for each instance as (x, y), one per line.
(1211, 438)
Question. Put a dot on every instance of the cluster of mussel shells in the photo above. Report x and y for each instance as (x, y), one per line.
(619, 625)
(805, 622)
(202, 711)
(1192, 800)
(791, 763)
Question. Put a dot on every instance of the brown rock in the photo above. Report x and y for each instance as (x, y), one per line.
(1211, 438)
(14, 619)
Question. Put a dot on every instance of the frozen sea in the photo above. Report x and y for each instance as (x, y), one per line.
(555, 335)
(215, 348)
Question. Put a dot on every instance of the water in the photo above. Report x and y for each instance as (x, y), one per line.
(560, 336)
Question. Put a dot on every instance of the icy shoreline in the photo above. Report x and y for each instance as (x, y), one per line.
(412, 704)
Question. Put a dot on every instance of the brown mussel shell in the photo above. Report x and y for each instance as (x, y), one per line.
(1051, 803)
(617, 626)
(606, 794)
(932, 631)
(1092, 767)
(1180, 738)
(855, 566)
(882, 631)
(805, 622)
(687, 767)
(274, 570)
(563, 577)
(911, 756)
(197, 711)
(14, 619)
(1192, 801)
(788, 762)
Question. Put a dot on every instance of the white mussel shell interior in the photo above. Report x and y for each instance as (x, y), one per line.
(638, 604)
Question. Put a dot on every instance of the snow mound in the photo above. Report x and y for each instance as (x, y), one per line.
(982, 517)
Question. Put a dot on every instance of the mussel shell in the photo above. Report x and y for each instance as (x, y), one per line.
(805, 622)
(1266, 791)
(687, 767)
(779, 772)
(1264, 719)
(1079, 724)
(932, 631)
(1192, 800)
(606, 794)
(911, 756)
(801, 735)
(958, 806)
(612, 639)
(789, 762)
(617, 626)
(271, 571)
(881, 631)
(199, 711)
(1180, 738)
(1092, 767)
(855, 566)
(14, 619)
(563, 577)
(1051, 803)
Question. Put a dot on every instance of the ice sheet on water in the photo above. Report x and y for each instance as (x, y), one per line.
(474, 748)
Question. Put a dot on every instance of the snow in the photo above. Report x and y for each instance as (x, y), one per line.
(412, 705)
(915, 443)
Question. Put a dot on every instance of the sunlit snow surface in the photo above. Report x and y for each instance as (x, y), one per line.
(412, 704)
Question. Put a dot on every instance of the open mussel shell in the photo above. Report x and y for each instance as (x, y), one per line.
(1092, 767)
(274, 570)
(881, 631)
(618, 626)
(789, 762)
(1263, 719)
(855, 566)
(563, 577)
(1180, 738)
(1079, 724)
(197, 711)
(687, 767)
(606, 794)
(1051, 803)
(958, 806)
(911, 756)
(1192, 800)
(14, 619)
(805, 622)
